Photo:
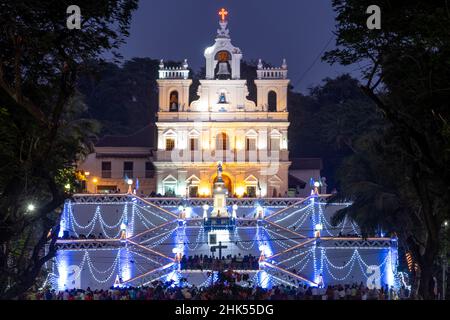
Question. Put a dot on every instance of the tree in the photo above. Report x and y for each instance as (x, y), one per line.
(407, 71)
(42, 135)
(123, 98)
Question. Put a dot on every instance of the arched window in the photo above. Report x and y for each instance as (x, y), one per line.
(222, 141)
(173, 101)
(272, 101)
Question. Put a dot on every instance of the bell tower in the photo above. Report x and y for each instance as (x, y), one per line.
(223, 60)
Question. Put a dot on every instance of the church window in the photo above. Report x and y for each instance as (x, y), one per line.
(251, 191)
(128, 169)
(194, 144)
(275, 144)
(173, 101)
(170, 144)
(250, 144)
(193, 191)
(222, 141)
(169, 190)
(272, 101)
(106, 169)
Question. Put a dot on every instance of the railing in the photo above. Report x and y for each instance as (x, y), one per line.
(174, 73)
(246, 116)
(272, 73)
(180, 155)
(87, 198)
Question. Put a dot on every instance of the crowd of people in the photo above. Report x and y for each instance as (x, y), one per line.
(228, 286)
(236, 262)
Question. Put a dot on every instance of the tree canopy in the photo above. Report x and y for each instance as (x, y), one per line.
(42, 132)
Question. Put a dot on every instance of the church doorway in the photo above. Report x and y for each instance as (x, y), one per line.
(227, 180)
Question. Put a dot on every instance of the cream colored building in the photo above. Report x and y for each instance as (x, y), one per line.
(251, 140)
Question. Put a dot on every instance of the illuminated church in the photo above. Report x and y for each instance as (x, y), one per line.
(222, 125)
(249, 139)
(217, 147)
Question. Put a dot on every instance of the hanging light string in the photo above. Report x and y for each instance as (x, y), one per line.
(301, 220)
(151, 212)
(158, 236)
(240, 242)
(142, 216)
(200, 237)
(306, 252)
(308, 206)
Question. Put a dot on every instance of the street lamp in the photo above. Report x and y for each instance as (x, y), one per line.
(31, 207)
(129, 182)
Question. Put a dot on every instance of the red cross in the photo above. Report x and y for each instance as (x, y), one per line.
(223, 13)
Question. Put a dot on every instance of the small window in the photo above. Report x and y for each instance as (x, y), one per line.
(128, 169)
(275, 144)
(193, 191)
(170, 144)
(250, 144)
(173, 103)
(251, 191)
(222, 141)
(194, 144)
(106, 169)
(272, 101)
(169, 190)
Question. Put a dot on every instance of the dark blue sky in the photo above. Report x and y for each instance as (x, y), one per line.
(297, 30)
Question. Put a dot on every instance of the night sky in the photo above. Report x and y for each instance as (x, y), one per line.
(297, 30)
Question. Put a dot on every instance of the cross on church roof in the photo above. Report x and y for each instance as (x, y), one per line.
(223, 13)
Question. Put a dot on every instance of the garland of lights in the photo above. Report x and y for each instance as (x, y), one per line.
(97, 216)
(262, 236)
(240, 241)
(342, 225)
(295, 256)
(159, 235)
(200, 236)
(157, 243)
(300, 269)
(143, 218)
(300, 221)
(147, 258)
(355, 257)
(279, 241)
(294, 212)
(152, 212)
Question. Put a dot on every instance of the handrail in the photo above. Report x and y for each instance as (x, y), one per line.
(292, 248)
(312, 283)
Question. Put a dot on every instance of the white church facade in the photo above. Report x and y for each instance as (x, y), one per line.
(251, 140)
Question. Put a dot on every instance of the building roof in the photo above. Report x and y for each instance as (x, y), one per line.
(294, 182)
(306, 164)
(144, 138)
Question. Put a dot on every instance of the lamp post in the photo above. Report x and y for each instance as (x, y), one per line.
(130, 182)
(31, 207)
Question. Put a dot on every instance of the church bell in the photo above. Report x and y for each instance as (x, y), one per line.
(223, 72)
